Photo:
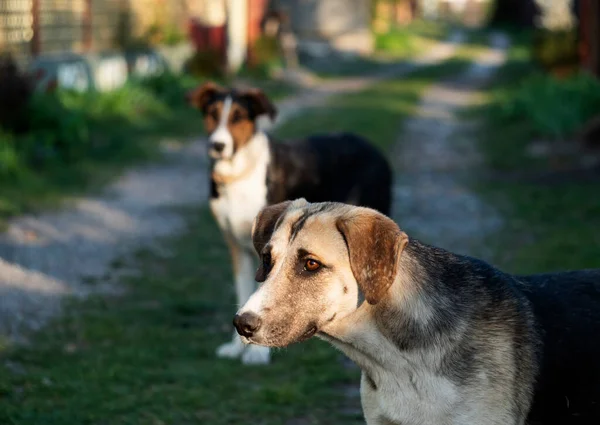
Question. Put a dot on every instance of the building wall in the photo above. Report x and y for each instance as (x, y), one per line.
(345, 24)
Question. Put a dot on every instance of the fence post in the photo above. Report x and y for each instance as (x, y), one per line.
(35, 26)
(87, 25)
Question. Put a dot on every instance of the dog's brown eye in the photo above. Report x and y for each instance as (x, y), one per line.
(236, 116)
(311, 265)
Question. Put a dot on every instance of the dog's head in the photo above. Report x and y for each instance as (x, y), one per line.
(229, 116)
(315, 260)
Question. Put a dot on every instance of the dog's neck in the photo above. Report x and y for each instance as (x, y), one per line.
(373, 336)
(253, 154)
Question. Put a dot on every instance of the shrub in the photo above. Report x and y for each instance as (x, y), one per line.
(65, 126)
(168, 87)
(266, 56)
(554, 108)
(10, 164)
(205, 64)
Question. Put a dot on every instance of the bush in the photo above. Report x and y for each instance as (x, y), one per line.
(168, 87)
(266, 56)
(554, 108)
(205, 64)
(65, 127)
(10, 164)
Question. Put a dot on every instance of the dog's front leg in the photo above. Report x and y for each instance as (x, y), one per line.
(244, 269)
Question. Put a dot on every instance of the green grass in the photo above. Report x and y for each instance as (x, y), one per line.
(549, 226)
(147, 357)
(550, 216)
(408, 40)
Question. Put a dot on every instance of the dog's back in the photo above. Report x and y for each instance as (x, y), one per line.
(566, 308)
(340, 167)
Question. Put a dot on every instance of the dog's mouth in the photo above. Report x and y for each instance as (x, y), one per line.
(216, 155)
(312, 329)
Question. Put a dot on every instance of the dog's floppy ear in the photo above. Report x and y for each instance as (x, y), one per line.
(375, 244)
(259, 103)
(201, 96)
(262, 229)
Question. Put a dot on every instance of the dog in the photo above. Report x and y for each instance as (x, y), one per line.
(440, 338)
(250, 170)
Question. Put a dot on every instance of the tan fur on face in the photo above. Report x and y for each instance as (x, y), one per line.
(246, 107)
(239, 125)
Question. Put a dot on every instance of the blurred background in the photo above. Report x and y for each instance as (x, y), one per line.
(115, 284)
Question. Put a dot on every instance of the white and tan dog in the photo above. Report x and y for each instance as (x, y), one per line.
(441, 339)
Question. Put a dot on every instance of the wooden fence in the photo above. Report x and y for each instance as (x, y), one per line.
(32, 27)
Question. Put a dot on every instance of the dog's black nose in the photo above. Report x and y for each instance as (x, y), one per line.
(246, 324)
(217, 146)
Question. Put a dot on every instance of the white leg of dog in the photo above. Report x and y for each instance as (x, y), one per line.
(244, 285)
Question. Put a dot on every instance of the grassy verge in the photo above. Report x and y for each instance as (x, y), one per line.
(550, 216)
(148, 357)
(79, 141)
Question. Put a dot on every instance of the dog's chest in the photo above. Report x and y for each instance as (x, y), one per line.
(409, 397)
(238, 203)
(413, 396)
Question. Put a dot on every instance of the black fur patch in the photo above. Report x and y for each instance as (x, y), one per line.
(214, 193)
(330, 168)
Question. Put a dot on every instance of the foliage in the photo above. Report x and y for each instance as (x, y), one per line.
(552, 107)
(266, 56)
(169, 87)
(550, 212)
(72, 140)
(205, 64)
(555, 48)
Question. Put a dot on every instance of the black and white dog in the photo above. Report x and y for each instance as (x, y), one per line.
(249, 171)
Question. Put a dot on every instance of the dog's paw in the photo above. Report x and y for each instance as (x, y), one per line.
(231, 350)
(256, 355)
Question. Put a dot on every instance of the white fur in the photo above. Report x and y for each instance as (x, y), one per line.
(222, 133)
(241, 200)
(235, 209)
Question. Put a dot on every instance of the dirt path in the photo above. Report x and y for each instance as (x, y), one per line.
(436, 159)
(75, 252)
